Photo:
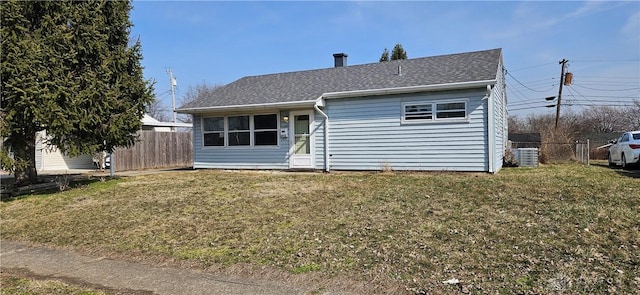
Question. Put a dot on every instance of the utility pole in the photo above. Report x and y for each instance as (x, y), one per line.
(563, 62)
(174, 83)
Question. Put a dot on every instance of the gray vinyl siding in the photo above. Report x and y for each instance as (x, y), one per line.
(368, 134)
(272, 157)
(500, 117)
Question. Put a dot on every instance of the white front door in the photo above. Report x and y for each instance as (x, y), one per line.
(301, 140)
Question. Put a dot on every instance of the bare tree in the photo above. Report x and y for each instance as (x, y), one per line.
(516, 125)
(158, 111)
(630, 117)
(602, 119)
(196, 92)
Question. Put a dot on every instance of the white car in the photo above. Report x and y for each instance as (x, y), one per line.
(625, 151)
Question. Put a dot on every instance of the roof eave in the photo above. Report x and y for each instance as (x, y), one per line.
(167, 124)
(409, 89)
(249, 107)
(339, 94)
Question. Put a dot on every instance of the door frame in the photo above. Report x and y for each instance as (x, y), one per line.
(312, 141)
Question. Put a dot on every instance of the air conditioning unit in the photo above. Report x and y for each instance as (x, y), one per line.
(527, 157)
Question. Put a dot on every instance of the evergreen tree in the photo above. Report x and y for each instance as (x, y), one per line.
(398, 52)
(385, 55)
(68, 68)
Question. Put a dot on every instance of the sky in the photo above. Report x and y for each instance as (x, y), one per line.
(218, 42)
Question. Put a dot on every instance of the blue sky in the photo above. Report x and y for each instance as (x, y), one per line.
(219, 42)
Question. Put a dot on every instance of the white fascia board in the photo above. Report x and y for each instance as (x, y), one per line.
(281, 105)
(167, 124)
(409, 89)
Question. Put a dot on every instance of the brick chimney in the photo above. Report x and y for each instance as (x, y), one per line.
(340, 60)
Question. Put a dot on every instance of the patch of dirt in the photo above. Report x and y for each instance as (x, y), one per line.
(312, 280)
(27, 274)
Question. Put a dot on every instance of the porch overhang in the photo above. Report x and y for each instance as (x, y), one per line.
(250, 107)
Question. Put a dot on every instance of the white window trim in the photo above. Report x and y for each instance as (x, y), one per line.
(434, 111)
(227, 131)
(224, 128)
(251, 132)
(252, 126)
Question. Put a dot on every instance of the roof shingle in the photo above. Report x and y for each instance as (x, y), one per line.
(310, 85)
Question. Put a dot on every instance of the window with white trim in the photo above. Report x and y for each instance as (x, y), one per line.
(265, 129)
(434, 111)
(448, 110)
(239, 132)
(418, 112)
(244, 130)
(213, 131)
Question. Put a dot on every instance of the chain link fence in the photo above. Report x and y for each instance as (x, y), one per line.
(583, 151)
(561, 147)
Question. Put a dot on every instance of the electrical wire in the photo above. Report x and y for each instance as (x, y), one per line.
(569, 88)
(527, 108)
(602, 60)
(536, 66)
(525, 86)
(596, 89)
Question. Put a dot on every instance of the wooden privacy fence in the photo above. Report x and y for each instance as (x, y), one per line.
(155, 150)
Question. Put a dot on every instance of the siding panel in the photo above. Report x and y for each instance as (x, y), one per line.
(500, 116)
(50, 158)
(368, 134)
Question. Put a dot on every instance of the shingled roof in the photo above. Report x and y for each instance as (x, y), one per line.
(308, 86)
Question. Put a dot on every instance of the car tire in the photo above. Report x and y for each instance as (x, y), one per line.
(611, 163)
(623, 161)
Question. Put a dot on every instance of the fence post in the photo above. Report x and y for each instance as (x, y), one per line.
(111, 164)
(588, 152)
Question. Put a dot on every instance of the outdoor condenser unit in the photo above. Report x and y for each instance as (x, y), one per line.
(527, 157)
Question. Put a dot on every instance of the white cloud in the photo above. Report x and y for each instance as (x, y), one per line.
(631, 29)
(532, 17)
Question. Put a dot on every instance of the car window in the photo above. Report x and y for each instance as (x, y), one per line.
(636, 136)
(625, 137)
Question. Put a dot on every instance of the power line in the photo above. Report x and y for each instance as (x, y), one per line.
(611, 60)
(541, 101)
(601, 105)
(527, 108)
(545, 82)
(610, 77)
(614, 96)
(520, 98)
(628, 89)
(573, 102)
(513, 90)
(525, 86)
(531, 67)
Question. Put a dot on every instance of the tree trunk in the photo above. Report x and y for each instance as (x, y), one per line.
(25, 156)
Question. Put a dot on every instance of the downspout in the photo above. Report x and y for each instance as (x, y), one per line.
(490, 131)
(326, 137)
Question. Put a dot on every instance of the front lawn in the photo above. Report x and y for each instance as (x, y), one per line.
(552, 229)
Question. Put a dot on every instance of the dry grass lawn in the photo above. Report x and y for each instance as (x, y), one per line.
(552, 229)
(14, 285)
